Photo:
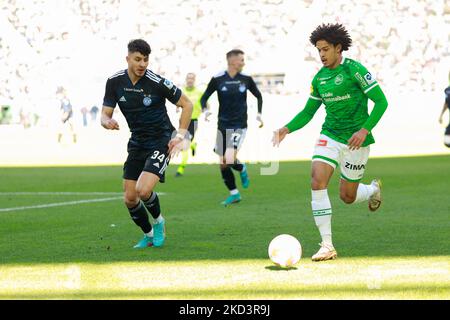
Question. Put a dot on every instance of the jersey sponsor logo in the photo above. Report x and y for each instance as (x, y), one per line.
(224, 89)
(338, 98)
(133, 90)
(339, 79)
(168, 84)
(322, 143)
(242, 88)
(122, 99)
(369, 78)
(350, 166)
(147, 101)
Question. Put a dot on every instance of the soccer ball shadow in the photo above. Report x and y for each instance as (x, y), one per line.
(279, 268)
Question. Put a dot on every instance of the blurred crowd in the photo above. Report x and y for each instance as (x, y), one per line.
(50, 43)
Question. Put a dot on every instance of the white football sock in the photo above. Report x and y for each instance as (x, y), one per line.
(150, 234)
(321, 208)
(364, 192)
(159, 219)
(234, 192)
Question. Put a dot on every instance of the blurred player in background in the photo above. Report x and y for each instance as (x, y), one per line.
(194, 94)
(344, 87)
(66, 116)
(446, 107)
(141, 96)
(231, 86)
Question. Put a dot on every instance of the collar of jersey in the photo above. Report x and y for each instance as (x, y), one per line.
(226, 72)
(129, 80)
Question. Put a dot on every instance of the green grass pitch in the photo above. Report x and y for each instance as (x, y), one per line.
(81, 246)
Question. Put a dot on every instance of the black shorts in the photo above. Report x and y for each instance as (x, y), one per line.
(192, 128)
(153, 160)
(229, 139)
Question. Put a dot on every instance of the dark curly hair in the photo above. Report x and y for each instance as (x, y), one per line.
(332, 33)
(139, 45)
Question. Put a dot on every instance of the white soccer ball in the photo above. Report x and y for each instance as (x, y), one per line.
(285, 250)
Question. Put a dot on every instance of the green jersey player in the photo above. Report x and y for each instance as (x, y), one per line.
(344, 86)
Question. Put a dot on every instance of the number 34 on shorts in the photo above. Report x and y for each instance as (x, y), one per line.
(159, 160)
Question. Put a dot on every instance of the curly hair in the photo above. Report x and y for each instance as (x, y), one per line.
(332, 33)
(139, 45)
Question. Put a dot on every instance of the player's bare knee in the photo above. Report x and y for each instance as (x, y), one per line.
(317, 184)
(130, 200)
(143, 192)
(347, 198)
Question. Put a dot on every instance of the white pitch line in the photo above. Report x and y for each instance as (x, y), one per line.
(59, 204)
(60, 193)
(66, 193)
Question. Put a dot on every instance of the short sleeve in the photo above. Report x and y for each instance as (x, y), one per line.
(109, 99)
(169, 90)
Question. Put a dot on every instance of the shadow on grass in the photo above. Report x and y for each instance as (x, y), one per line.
(425, 291)
(278, 268)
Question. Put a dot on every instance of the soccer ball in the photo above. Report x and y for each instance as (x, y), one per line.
(285, 250)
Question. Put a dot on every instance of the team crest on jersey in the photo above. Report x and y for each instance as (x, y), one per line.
(168, 84)
(339, 79)
(147, 101)
(369, 78)
(242, 88)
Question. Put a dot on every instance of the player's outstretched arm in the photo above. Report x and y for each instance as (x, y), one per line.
(207, 112)
(299, 121)
(279, 136)
(255, 91)
(106, 119)
(205, 96)
(186, 113)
